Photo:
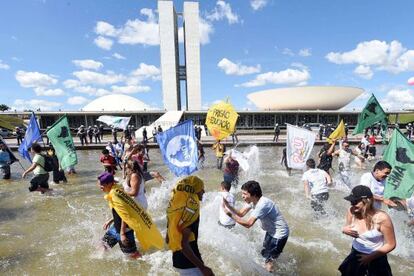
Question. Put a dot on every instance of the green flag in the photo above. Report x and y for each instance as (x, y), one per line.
(400, 155)
(59, 136)
(371, 114)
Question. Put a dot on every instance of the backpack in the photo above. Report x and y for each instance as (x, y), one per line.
(49, 163)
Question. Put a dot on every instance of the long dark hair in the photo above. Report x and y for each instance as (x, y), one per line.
(135, 167)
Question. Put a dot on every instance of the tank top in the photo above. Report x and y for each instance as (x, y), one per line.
(370, 240)
(140, 197)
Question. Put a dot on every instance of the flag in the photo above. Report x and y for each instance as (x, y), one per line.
(221, 120)
(400, 154)
(12, 157)
(61, 139)
(338, 133)
(371, 114)
(115, 121)
(299, 144)
(179, 148)
(32, 135)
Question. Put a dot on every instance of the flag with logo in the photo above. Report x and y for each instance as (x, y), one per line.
(179, 148)
(371, 114)
(338, 133)
(61, 139)
(400, 154)
(115, 121)
(299, 144)
(32, 135)
(12, 157)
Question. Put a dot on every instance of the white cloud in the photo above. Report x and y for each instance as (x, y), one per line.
(206, 29)
(379, 55)
(118, 56)
(288, 76)
(129, 89)
(258, 4)
(4, 66)
(410, 81)
(69, 84)
(77, 100)
(41, 91)
(34, 79)
(306, 52)
(288, 52)
(105, 29)
(93, 91)
(34, 104)
(364, 72)
(231, 68)
(299, 65)
(91, 77)
(103, 42)
(397, 99)
(222, 10)
(88, 64)
(145, 71)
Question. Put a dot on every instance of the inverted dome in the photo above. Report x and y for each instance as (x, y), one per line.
(305, 98)
(116, 102)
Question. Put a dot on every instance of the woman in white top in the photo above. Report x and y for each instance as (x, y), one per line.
(134, 184)
(373, 234)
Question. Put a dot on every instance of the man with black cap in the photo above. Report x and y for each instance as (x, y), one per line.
(121, 233)
(373, 234)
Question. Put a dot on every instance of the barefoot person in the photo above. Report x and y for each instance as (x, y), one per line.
(373, 234)
(264, 209)
(40, 180)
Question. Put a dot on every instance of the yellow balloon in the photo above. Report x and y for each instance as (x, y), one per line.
(221, 120)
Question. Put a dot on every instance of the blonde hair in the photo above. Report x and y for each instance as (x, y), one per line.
(368, 211)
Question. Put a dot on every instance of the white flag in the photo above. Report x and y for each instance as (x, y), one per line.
(115, 121)
(299, 144)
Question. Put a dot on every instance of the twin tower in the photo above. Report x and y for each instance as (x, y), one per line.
(173, 73)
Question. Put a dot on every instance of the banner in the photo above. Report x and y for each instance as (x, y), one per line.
(371, 114)
(61, 139)
(400, 155)
(338, 133)
(115, 121)
(32, 135)
(179, 148)
(299, 144)
(221, 120)
(12, 157)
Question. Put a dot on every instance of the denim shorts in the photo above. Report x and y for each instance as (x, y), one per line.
(111, 238)
(272, 247)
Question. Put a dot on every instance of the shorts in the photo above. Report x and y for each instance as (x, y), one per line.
(189, 271)
(230, 178)
(39, 180)
(272, 247)
(351, 266)
(111, 238)
(147, 176)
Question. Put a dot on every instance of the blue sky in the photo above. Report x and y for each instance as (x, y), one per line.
(63, 54)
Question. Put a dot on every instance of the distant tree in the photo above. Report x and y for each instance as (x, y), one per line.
(4, 107)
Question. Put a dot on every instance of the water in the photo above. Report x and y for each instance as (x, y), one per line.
(59, 233)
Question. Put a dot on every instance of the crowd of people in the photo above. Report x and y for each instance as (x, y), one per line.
(126, 160)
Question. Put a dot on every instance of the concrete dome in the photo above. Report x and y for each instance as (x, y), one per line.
(116, 102)
(305, 98)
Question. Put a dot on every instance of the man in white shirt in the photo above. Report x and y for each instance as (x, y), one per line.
(224, 219)
(375, 180)
(315, 183)
(264, 209)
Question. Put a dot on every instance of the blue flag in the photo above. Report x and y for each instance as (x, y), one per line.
(179, 148)
(32, 135)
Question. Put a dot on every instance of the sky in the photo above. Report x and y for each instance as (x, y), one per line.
(60, 55)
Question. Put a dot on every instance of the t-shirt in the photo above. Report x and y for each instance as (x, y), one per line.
(344, 158)
(223, 217)
(270, 217)
(40, 161)
(377, 187)
(317, 181)
(410, 207)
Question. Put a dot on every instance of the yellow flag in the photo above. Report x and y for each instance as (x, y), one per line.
(338, 133)
(221, 120)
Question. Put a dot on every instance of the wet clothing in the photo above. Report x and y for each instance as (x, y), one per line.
(58, 173)
(272, 247)
(224, 219)
(318, 203)
(377, 267)
(377, 187)
(179, 260)
(325, 162)
(140, 198)
(231, 171)
(316, 179)
(39, 180)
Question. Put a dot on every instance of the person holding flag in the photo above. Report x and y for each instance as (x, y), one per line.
(40, 180)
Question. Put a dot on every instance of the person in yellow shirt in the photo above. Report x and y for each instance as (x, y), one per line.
(219, 148)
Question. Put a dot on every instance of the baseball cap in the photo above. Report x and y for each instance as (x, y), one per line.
(359, 192)
(106, 178)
